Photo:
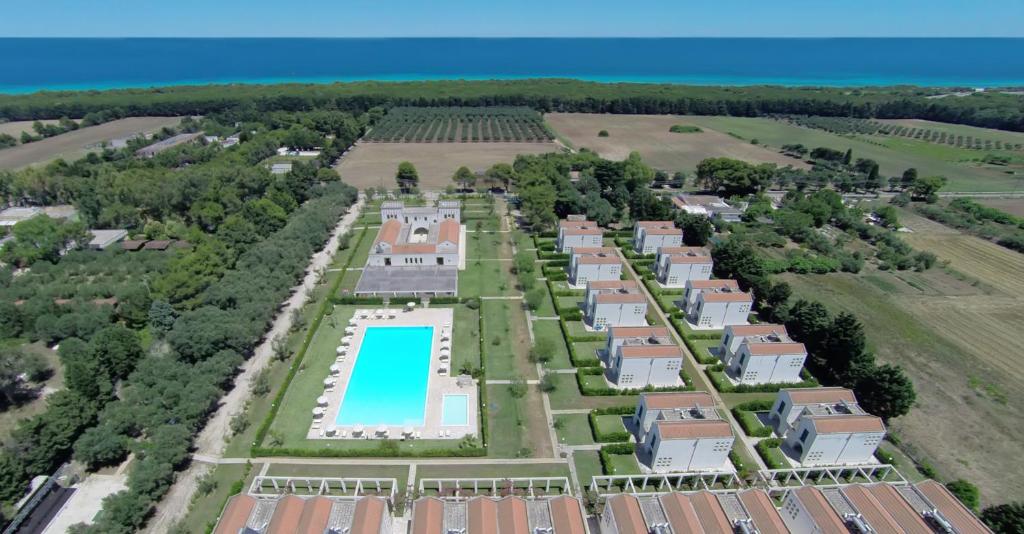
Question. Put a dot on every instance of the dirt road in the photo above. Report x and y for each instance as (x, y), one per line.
(211, 441)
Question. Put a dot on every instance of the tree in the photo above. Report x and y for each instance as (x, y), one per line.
(966, 492)
(300, 137)
(161, 316)
(734, 177)
(538, 200)
(407, 177)
(845, 350)
(502, 173)
(809, 323)
(1008, 518)
(535, 298)
(697, 229)
(98, 447)
(737, 259)
(40, 238)
(542, 350)
(848, 157)
(15, 364)
(464, 177)
(908, 178)
(927, 187)
(888, 215)
(517, 388)
(116, 349)
(885, 391)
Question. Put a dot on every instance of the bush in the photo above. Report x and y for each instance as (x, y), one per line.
(606, 391)
(966, 492)
(606, 437)
(602, 133)
(473, 304)
(684, 128)
(769, 451)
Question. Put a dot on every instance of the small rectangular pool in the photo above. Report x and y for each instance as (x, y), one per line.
(388, 385)
(455, 410)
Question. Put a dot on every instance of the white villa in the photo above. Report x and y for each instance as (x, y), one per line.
(418, 251)
(646, 364)
(649, 236)
(417, 235)
(826, 426)
(593, 263)
(714, 304)
(688, 444)
(576, 231)
(614, 303)
(761, 354)
(674, 266)
(653, 407)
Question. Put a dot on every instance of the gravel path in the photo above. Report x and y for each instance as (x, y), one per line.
(212, 439)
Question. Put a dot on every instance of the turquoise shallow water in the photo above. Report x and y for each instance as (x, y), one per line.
(388, 385)
(455, 410)
(43, 63)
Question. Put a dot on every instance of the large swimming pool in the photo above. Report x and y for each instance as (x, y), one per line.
(388, 385)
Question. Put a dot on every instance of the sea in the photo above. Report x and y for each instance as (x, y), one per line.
(36, 64)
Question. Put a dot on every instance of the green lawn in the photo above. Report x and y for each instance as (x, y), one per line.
(588, 349)
(732, 399)
(398, 472)
(703, 350)
(498, 339)
(360, 254)
(567, 396)
(569, 302)
(607, 424)
(492, 471)
(483, 245)
(506, 423)
(546, 308)
(562, 285)
(588, 465)
(576, 329)
(892, 155)
(575, 429)
(206, 508)
(486, 279)
(350, 281)
(623, 464)
(551, 331)
(466, 331)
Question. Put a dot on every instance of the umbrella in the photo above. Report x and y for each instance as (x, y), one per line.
(341, 350)
(335, 368)
(410, 305)
(444, 357)
(328, 381)
(407, 430)
(332, 430)
(321, 400)
(318, 412)
(346, 340)
(350, 329)
(382, 429)
(353, 321)
(445, 350)
(358, 429)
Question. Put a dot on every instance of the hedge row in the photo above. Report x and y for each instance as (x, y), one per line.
(384, 450)
(723, 385)
(605, 391)
(546, 255)
(575, 358)
(686, 332)
(698, 352)
(261, 433)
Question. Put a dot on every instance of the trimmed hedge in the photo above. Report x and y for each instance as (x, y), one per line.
(605, 391)
(606, 437)
(717, 375)
(687, 332)
(570, 314)
(574, 357)
(751, 424)
(624, 449)
(381, 451)
(699, 354)
(769, 451)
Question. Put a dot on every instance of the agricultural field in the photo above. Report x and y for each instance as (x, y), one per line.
(14, 128)
(955, 331)
(76, 144)
(374, 164)
(933, 132)
(460, 125)
(1013, 206)
(963, 167)
(650, 136)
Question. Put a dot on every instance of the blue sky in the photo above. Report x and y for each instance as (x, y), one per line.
(399, 18)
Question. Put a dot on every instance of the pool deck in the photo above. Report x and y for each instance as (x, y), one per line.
(440, 381)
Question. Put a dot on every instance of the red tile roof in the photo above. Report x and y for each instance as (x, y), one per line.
(820, 510)
(287, 515)
(235, 515)
(613, 284)
(950, 507)
(762, 512)
(368, 517)
(775, 349)
(757, 329)
(315, 515)
(620, 298)
(693, 429)
(566, 515)
(389, 231)
(710, 284)
(628, 517)
(669, 401)
(843, 424)
(651, 351)
(726, 297)
(428, 516)
(448, 230)
(829, 395)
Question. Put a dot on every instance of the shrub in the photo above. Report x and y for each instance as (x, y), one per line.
(751, 424)
(473, 304)
(684, 128)
(602, 133)
(966, 492)
(769, 451)
(605, 437)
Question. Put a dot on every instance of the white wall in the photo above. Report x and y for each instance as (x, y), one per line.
(566, 243)
(796, 517)
(833, 448)
(676, 274)
(716, 315)
(593, 272)
(642, 372)
(673, 455)
(645, 243)
(617, 314)
(778, 369)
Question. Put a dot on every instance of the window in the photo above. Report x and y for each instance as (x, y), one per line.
(782, 406)
(803, 436)
(440, 260)
(743, 358)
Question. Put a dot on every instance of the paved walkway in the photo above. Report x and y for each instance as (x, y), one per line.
(719, 402)
(213, 437)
